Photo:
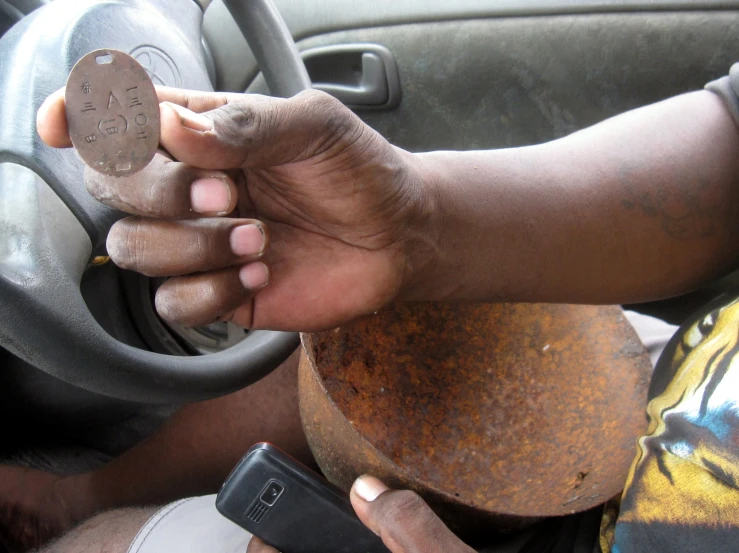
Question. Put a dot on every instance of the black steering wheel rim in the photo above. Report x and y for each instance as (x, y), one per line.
(50, 227)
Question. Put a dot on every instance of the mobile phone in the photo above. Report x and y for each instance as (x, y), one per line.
(291, 508)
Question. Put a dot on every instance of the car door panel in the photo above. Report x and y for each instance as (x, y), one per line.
(502, 82)
(237, 66)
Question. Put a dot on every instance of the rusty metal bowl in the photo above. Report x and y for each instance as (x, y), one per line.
(497, 414)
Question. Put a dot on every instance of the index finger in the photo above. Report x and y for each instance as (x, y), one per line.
(51, 120)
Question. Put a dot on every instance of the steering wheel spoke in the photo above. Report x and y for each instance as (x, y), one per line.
(40, 237)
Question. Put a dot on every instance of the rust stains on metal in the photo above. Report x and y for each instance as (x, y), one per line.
(499, 414)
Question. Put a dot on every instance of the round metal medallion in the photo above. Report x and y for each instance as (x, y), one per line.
(112, 113)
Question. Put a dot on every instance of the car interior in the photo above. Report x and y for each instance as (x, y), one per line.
(87, 368)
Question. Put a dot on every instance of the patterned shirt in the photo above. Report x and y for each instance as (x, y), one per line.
(682, 493)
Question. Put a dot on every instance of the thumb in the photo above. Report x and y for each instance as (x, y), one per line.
(256, 545)
(254, 131)
(402, 519)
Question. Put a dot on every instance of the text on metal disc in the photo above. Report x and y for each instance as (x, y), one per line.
(112, 113)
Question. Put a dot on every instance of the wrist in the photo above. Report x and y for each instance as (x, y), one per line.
(423, 232)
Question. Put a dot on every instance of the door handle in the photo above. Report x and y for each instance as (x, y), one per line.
(362, 76)
(371, 90)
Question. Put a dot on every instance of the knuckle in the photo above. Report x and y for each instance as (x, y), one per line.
(209, 293)
(201, 247)
(177, 172)
(318, 100)
(123, 243)
(408, 524)
(188, 301)
(217, 292)
(164, 194)
(204, 248)
(154, 200)
(404, 507)
(328, 113)
(166, 303)
(236, 123)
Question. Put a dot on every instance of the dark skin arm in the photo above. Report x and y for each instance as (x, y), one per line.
(332, 222)
(641, 206)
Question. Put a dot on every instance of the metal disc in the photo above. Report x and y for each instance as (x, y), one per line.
(498, 414)
(112, 113)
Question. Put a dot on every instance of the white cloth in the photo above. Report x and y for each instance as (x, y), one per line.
(190, 526)
(654, 333)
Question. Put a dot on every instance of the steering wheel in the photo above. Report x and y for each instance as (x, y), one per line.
(50, 226)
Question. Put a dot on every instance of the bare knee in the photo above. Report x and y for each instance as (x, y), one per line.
(109, 532)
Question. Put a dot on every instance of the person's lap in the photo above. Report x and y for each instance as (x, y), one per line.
(194, 525)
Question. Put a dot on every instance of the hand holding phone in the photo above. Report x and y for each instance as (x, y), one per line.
(291, 508)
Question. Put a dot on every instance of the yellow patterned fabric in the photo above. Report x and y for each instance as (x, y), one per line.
(682, 494)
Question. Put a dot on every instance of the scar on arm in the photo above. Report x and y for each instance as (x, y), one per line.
(679, 204)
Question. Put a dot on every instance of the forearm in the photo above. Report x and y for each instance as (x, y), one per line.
(641, 206)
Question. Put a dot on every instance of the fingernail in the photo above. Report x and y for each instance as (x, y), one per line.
(190, 119)
(254, 276)
(368, 487)
(211, 195)
(247, 240)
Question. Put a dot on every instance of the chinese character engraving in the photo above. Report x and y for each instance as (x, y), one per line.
(108, 126)
(133, 97)
(115, 133)
(115, 125)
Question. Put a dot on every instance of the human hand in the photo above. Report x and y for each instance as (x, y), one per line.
(400, 517)
(326, 216)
